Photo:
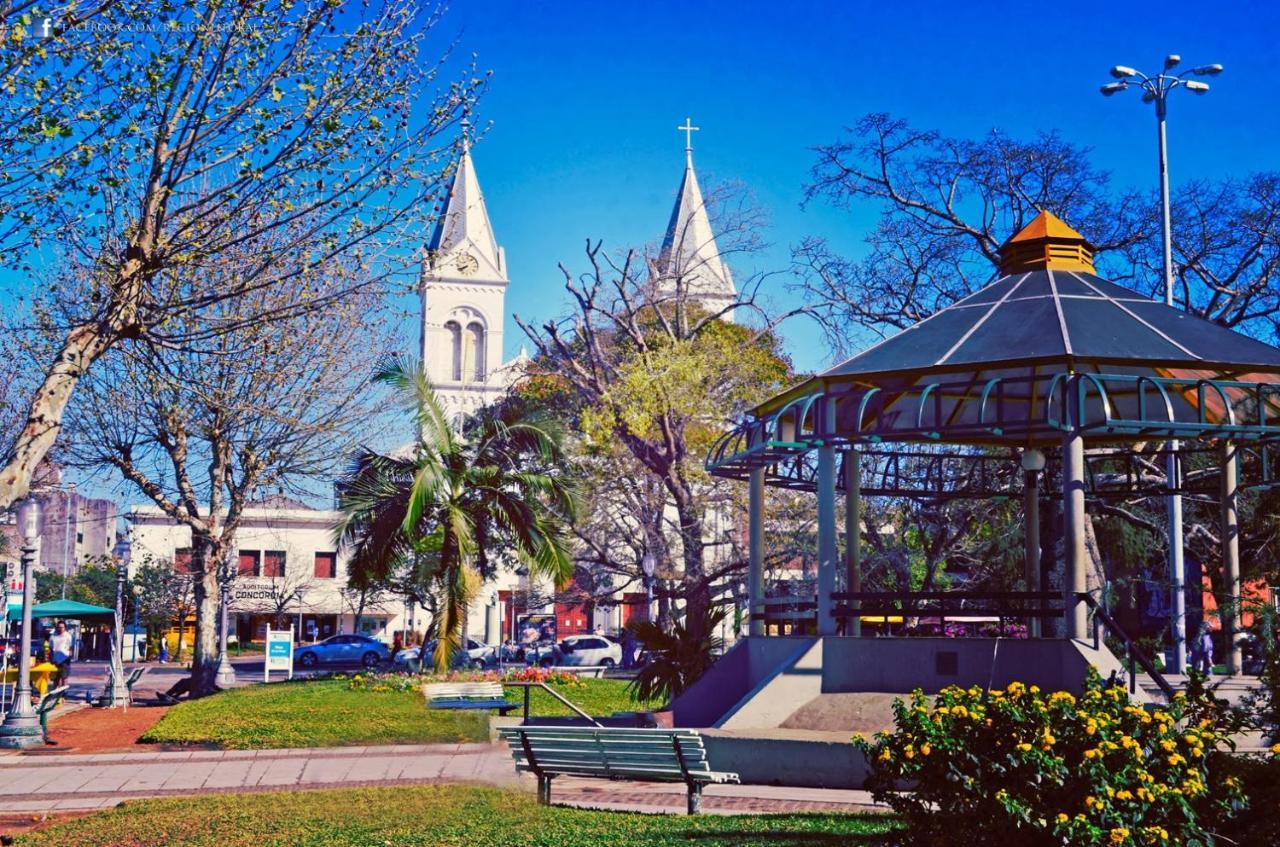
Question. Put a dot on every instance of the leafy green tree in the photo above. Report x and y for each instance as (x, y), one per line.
(94, 583)
(456, 502)
(166, 598)
(648, 377)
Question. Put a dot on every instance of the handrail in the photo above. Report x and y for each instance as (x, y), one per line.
(527, 685)
(1132, 652)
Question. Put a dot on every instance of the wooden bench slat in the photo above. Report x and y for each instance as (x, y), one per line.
(620, 752)
(613, 761)
(467, 695)
(639, 774)
(686, 745)
(612, 731)
(583, 768)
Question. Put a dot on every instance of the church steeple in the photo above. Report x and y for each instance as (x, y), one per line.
(462, 242)
(463, 286)
(689, 255)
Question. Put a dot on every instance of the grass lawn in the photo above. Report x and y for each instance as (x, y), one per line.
(434, 815)
(325, 713)
(321, 713)
(596, 697)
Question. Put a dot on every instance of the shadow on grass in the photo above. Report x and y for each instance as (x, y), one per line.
(789, 838)
(792, 836)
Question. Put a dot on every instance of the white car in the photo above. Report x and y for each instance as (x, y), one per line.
(590, 651)
(478, 654)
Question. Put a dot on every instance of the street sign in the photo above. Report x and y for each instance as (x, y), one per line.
(279, 653)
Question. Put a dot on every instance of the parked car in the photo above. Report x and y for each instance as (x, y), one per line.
(590, 651)
(342, 649)
(541, 653)
(478, 655)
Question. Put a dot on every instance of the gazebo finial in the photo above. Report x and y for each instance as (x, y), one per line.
(1047, 243)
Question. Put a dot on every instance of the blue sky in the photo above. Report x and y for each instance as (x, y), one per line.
(585, 98)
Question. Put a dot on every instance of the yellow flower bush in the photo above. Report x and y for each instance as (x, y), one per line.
(1029, 768)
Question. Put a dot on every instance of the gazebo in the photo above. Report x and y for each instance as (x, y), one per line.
(1048, 357)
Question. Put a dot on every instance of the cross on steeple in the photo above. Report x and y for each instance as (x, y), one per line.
(688, 129)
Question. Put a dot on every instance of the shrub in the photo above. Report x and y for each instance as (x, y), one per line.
(1257, 825)
(1026, 768)
(677, 659)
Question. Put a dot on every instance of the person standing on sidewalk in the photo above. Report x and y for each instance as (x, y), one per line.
(60, 643)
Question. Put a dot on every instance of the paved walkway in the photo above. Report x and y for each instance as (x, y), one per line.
(54, 783)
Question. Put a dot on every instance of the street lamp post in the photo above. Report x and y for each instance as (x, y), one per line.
(1156, 89)
(137, 596)
(225, 676)
(649, 564)
(21, 727)
(116, 693)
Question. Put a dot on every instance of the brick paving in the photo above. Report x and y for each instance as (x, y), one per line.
(56, 783)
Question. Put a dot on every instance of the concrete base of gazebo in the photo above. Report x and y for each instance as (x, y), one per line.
(763, 682)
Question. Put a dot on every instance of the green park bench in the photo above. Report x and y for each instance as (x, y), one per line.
(47, 704)
(466, 695)
(642, 755)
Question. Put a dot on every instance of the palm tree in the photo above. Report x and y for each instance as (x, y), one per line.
(459, 499)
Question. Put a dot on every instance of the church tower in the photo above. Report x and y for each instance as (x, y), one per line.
(689, 257)
(463, 286)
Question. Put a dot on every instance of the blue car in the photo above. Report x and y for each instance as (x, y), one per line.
(344, 650)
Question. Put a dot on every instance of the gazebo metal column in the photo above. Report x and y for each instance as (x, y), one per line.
(1073, 576)
(1230, 610)
(828, 551)
(853, 532)
(755, 552)
(1032, 464)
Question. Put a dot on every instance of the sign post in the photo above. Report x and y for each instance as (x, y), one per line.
(279, 653)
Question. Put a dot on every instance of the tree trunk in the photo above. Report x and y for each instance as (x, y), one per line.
(83, 345)
(697, 593)
(206, 560)
(355, 624)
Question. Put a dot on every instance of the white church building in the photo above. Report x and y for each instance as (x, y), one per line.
(287, 564)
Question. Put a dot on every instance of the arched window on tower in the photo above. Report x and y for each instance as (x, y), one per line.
(473, 361)
(454, 330)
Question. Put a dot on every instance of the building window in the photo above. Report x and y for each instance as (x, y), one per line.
(473, 355)
(454, 329)
(326, 565)
(249, 561)
(182, 560)
(273, 563)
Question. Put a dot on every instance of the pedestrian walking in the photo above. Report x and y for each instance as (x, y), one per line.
(1205, 651)
(60, 644)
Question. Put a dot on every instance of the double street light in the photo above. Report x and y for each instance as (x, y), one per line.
(1156, 89)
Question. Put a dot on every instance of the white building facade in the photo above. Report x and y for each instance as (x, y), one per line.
(290, 573)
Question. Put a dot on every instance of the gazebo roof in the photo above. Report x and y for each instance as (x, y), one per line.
(1046, 346)
(1069, 318)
